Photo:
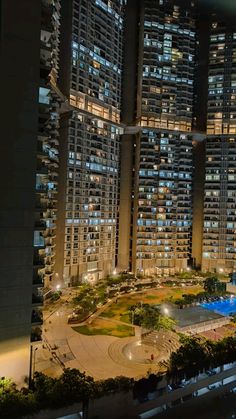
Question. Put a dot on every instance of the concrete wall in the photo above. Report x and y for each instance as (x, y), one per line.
(20, 36)
(204, 326)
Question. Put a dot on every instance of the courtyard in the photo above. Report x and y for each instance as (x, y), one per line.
(96, 345)
(107, 344)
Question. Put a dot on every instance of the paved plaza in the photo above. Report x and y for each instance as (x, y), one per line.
(100, 356)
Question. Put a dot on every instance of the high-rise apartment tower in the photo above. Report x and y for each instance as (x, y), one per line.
(157, 145)
(219, 244)
(29, 159)
(90, 77)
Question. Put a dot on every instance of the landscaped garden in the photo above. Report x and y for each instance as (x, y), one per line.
(119, 309)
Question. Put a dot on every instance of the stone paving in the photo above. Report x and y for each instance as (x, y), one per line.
(99, 356)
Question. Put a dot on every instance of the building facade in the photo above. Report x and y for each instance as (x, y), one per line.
(91, 71)
(28, 180)
(20, 43)
(49, 100)
(159, 240)
(219, 245)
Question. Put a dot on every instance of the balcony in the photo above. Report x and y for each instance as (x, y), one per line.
(38, 262)
(41, 188)
(36, 317)
(38, 280)
(37, 299)
(36, 334)
(42, 169)
(48, 272)
(40, 225)
(39, 240)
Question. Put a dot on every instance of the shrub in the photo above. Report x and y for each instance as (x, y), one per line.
(55, 296)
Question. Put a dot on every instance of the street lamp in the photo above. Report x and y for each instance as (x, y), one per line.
(132, 321)
(33, 369)
(32, 364)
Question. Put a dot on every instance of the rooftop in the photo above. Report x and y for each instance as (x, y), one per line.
(191, 315)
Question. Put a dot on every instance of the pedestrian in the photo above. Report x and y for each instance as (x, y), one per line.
(152, 357)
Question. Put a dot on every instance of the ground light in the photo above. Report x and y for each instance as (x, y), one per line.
(166, 310)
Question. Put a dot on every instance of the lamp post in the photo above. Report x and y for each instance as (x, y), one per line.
(132, 317)
(33, 369)
(32, 364)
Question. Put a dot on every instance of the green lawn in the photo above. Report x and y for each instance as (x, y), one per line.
(121, 330)
(125, 317)
(151, 297)
(110, 313)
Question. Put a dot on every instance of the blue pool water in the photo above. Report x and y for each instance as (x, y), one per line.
(223, 307)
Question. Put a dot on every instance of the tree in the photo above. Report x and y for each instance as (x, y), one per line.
(15, 403)
(72, 386)
(196, 354)
(210, 284)
(189, 298)
(221, 287)
(190, 357)
(149, 317)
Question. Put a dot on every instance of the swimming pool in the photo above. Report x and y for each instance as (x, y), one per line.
(223, 307)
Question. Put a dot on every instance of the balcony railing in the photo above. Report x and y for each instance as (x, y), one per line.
(36, 334)
(38, 280)
(38, 261)
(37, 299)
(36, 317)
(41, 187)
(40, 224)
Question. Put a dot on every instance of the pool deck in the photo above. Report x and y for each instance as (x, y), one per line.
(195, 319)
(192, 315)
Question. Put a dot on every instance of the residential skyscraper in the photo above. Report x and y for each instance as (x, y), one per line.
(219, 245)
(158, 140)
(90, 77)
(29, 49)
(47, 161)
